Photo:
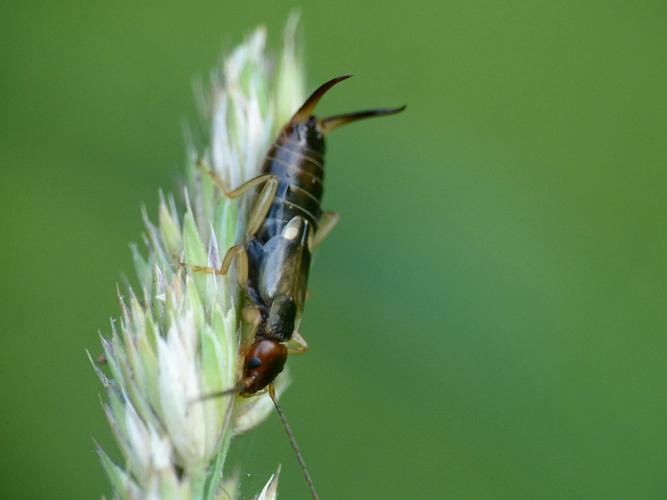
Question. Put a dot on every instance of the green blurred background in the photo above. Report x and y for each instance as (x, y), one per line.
(488, 320)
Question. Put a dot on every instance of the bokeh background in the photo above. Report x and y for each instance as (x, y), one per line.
(488, 320)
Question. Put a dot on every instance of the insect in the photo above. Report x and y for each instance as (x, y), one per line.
(285, 224)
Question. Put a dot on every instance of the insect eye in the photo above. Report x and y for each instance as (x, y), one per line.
(254, 362)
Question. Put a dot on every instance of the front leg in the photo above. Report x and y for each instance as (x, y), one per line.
(297, 344)
(252, 316)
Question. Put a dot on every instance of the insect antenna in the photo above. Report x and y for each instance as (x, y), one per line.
(219, 394)
(292, 440)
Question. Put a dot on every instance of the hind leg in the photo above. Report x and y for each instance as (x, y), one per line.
(264, 199)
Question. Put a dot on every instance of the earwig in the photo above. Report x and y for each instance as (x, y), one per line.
(285, 224)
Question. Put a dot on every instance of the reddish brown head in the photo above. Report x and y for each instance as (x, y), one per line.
(264, 361)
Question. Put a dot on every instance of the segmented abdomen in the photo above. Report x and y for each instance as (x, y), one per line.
(300, 172)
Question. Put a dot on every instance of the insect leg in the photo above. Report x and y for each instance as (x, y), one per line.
(262, 204)
(326, 225)
(242, 189)
(297, 345)
(252, 316)
(264, 199)
(238, 253)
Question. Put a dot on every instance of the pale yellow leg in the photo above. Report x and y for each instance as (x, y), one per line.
(233, 193)
(297, 345)
(253, 317)
(325, 226)
(262, 205)
(264, 198)
(236, 253)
